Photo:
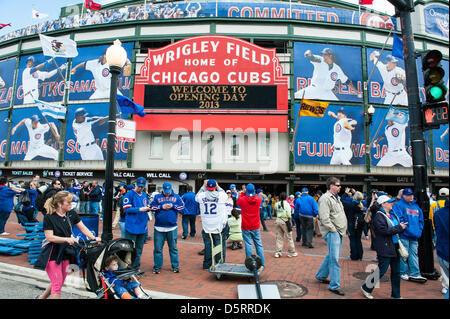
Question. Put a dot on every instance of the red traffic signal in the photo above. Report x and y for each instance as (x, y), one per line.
(431, 59)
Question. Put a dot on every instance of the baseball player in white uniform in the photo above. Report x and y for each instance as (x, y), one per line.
(342, 138)
(82, 128)
(394, 79)
(36, 132)
(325, 76)
(102, 76)
(31, 76)
(396, 153)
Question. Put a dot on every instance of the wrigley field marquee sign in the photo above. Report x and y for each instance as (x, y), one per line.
(212, 74)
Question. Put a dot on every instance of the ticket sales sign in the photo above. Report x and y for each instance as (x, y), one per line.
(212, 75)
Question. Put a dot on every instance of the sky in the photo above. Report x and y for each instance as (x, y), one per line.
(18, 12)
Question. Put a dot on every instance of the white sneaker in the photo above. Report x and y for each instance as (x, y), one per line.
(292, 255)
(366, 294)
(418, 279)
(444, 290)
(277, 255)
(5, 234)
(404, 277)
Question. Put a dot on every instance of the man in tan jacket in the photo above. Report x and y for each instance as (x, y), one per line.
(333, 226)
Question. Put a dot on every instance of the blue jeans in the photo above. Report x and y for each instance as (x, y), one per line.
(413, 259)
(139, 241)
(84, 207)
(160, 238)
(383, 265)
(94, 208)
(356, 247)
(444, 269)
(269, 211)
(330, 265)
(251, 237)
(207, 257)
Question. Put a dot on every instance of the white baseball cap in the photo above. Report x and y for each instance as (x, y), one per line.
(385, 199)
(443, 191)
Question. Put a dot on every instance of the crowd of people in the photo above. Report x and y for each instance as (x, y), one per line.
(234, 218)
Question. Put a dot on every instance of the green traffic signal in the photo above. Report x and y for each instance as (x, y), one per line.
(436, 92)
(433, 75)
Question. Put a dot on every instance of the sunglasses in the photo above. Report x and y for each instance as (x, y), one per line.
(337, 185)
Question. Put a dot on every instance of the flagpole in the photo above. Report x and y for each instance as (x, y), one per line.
(381, 123)
(381, 53)
(296, 125)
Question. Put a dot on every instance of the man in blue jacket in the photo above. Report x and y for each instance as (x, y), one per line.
(135, 206)
(190, 213)
(6, 203)
(308, 209)
(95, 197)
(166, 207)
(409, 211)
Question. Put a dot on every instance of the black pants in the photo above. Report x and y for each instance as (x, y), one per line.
(298, 227)
(261, 217)
(307, 230)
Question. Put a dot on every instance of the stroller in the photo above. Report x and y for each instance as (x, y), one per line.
(91, 259)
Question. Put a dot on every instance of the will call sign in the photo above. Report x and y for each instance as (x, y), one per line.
(212, 73)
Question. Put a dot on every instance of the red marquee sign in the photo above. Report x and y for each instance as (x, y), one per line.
(217, 79)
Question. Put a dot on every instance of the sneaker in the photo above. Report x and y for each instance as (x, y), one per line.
(404, 277)
(444, 290)
(156, 270)
(366, 294)
(5, 234)
(419, 279)
(277, 255)
(176, 270)
(183, 237)
(292, 255)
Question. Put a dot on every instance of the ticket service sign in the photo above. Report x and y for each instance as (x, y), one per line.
(212, 75)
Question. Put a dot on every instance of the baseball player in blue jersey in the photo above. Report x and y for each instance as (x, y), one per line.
(166, 207)
(135, 206)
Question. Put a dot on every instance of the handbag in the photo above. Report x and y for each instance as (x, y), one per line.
(289, 225)
(402, 251)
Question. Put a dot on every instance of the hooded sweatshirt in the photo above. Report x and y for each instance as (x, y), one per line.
(6, 198)
(250, 212)
(213, 210)
(412, 214)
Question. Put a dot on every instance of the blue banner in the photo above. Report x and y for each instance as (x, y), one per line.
(328, 139)
(388, 82)
(86, 133)
(40, 78)
(32, 138)
(3, 133)
(436, 19)
(327, 72)
(7, 68)
(90, 76)
(440, 144)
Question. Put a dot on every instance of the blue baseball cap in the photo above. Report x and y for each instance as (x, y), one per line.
(408, 191)
(167, 188)
(385, 199)
(259, 190)
(327, 51)
(250, 190)
(232, 186)
(141, 181)
(391, 58)
(81, 111)
(211, 185)
(35, 118)
(305, 190)
(297, 193)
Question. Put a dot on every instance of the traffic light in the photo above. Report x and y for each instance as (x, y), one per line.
(435, 108)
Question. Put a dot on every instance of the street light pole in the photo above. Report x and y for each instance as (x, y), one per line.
(116, 58)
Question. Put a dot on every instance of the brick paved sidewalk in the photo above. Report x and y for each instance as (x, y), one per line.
(193, 281)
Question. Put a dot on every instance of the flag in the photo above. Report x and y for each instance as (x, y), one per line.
(129, 107)
(58, 47)
(89, 4)
(4, 25)
(38, 15)
(312, 108)
(397, 116)
(57, 112)
(397, 47)
(365, 2)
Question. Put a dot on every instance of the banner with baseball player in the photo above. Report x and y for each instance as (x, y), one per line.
(334, 137)
(3, 132)
(7, 68)
(34, 136)
(40, 78)
(90, 77)
(388, 82)
(327, 72)
(440, 145)
(87, 133)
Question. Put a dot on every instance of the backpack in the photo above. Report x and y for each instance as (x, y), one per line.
(359, 220)
(24, 198)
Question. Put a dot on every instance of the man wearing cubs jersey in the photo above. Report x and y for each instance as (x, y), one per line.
(166, 207)
(102, 76)
(325, 76)
(396, 138)
(36, 132)
(393, 77)
(212, 201)
(31, 76)
(342, 138)
(82, 128)
(135, 206)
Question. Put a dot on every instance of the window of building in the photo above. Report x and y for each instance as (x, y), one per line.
(156, 147)
(184, 146)
(264, 146)
(235, 145)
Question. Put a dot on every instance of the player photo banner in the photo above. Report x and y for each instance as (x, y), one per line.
(388, 82)
(90, 77)
(327, 72)
(7, 68)
(436, 20)
(34, 137)
(3, 133)
(87, 133)
(440, 144)
(208, 74)
(337, 138)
